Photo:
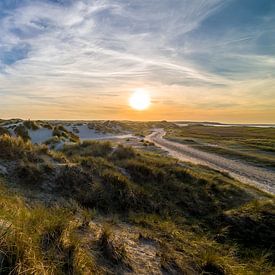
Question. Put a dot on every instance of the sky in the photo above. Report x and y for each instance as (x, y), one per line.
(201, 60)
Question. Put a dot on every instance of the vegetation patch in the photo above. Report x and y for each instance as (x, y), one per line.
(255, 145)
(184, 219)
(252, 225)
(14, 148)
(89, 148)
(29, 173)
(4, 131)
(21, 131)
(123, 152)
(32, 125)
(61, 132)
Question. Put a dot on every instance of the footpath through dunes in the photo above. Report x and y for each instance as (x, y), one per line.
(260, 177)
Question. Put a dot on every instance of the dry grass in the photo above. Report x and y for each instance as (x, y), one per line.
(12, 147)
(39, 240)
(200, 220)
(251, 144)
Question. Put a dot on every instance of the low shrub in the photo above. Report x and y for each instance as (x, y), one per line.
(57, 156)
(4, 131)
(74, 182)
(142, 172)
(252, 225)
(29, 173)
(96, 165)
(89, 148)
(21, 131)
(53, 142)
(47, 125)
(15, 147)
(118, 189)
(73, 137)
(32, 125)
(123, 152)
(120, 194)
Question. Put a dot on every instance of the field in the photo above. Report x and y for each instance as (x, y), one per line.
(254, 145)
(100, 207)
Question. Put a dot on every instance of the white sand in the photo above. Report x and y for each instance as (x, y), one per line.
(85, 133)
(10, 127)
(40, 135)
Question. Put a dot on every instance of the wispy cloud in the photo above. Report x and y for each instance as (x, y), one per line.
(53, 52)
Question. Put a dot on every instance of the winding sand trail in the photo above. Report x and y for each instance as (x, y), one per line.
(260, 177)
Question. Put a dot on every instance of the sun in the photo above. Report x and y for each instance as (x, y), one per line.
(140, 100)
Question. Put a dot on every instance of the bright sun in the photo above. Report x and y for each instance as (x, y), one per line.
(140, 100)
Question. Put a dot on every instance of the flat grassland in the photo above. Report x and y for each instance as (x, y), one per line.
(255, 145)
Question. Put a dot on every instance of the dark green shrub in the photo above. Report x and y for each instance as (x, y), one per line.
(75, 182)
(30, 125)
(142, 172)
(123, 152)
(52, 142)
(47, 125)
(73, 137)
(57, 132)
(183, 174)
(61, 132)
(95, 164)
(4, 131)
(89, 148)
(22, 132)
(29, 173)
(253, 225)
(97, 148)
(120, 194)
(119, 189)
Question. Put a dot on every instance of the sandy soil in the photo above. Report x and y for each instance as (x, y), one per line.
(40, 135)
(85, 133)
(260, 177)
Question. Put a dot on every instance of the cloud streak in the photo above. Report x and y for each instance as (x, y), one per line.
(51, 50)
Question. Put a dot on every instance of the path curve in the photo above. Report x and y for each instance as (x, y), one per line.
(260, 177)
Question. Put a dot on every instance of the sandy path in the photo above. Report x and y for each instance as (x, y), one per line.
(260, 177)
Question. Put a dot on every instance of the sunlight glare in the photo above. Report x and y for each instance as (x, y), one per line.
(140, 100)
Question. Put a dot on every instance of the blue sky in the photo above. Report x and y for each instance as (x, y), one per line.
(200, 59)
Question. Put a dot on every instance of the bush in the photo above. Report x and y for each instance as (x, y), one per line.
(57, 132)
(118, 188)
(73, 137)
(122, 152)
(253, 224)
(13, 148)
(52, 141)
(4, 131)
(61, 132)
(29, 173)
(142, 172)
(98, 148)
(75, 182)
(30, 125)
(22, 132)
(47, 125)
(122, 195)
(95, 164)
(89, 148)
